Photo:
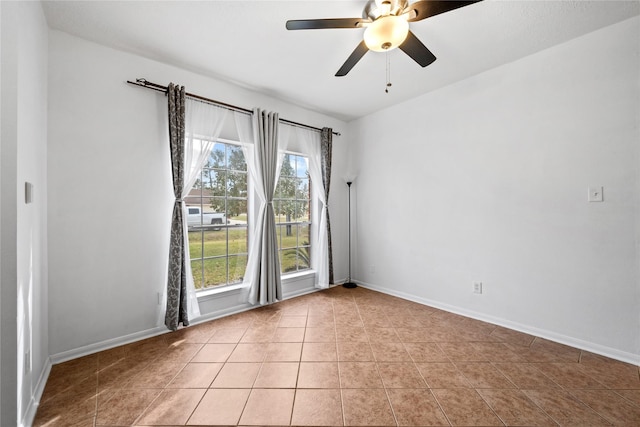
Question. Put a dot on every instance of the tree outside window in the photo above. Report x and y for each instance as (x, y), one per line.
(219, 252)
(292, 207)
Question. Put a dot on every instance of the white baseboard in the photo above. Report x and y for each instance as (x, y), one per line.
(549, 335)
(149, 333)
(106, 345)
(32, 408)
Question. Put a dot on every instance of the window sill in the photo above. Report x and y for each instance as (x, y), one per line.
(298, 275)
(237, 288)
(222, 290)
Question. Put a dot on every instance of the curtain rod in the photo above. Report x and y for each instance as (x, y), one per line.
(159, 88)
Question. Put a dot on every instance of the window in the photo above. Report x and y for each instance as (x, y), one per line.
(292, 208)
(218, 219)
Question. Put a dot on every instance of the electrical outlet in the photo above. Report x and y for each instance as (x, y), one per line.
(159, 298)
(477, 287)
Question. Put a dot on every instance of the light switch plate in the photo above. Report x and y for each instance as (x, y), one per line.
(595, 194)
(28, 192)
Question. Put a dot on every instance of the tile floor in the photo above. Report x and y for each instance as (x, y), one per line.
(342, 357)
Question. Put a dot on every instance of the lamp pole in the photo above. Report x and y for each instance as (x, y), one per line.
(349, 284)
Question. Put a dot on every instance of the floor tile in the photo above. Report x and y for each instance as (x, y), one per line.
(289, 321)
(268, 407)
(375, 321)
(416, 407)
(412, 335)
(220, 407)
(72, 407)
(325, 359)
(400, 375)
(196, 375)
(569, 375)
(462, 352)
(156, 375)
(180, 353)
(425, 352)
(366, 407)
(405, 321)
(513, 337)
(442, 375)
(525, 375)
(214, 353)
(561, 351)
(483, 375)
(258, 334)
(350, 334)
(564, 408)
(465, 407)
(172, 407)
(319, 352)
(283, 352)
(125, 406)
(382, 335)
(355, 352)
(497, 352)
(318, 375)
(248, 352)
(227, 335)
(359, 375)
(277, 375)
(317, 408)
(288, 335)
(390, 352)
(321, 321)
(514, 408)
(631, 395)
(237, 375)
(323, 334)
(610, 405)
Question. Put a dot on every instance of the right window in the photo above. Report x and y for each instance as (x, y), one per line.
(292, 205)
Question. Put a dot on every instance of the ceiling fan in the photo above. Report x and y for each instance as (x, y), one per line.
(387, 27)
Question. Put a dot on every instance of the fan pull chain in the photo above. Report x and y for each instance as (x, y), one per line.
(386, 89)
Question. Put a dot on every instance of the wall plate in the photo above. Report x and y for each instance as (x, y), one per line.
(28, 192)
(595, 194)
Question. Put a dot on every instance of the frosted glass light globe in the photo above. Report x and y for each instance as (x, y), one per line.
(386, 33)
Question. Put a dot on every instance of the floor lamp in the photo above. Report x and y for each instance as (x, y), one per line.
(349, 284)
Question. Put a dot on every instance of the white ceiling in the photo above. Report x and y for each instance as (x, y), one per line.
(246, 42)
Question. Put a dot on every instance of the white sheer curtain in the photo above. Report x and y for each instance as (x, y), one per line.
(203, 124)
(310, 141)
(245, 127)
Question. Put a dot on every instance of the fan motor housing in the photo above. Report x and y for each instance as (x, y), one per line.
(373, 11)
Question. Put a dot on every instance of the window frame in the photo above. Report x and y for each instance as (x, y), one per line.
(298, 224)
(226, 226)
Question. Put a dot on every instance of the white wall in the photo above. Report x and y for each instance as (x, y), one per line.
(108, 163)
(24, 227)
(486, 180)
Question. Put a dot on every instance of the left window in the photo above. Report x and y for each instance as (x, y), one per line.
(217, 219)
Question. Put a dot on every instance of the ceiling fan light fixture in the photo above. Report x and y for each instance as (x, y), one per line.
(386, 33)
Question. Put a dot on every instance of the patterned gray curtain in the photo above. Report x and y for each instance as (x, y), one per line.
(266, 286)
(177, 280)
(326, 138)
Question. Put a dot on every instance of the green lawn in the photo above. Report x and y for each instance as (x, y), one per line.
(209, 243)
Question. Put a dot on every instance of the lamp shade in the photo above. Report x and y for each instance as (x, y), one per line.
(386, 33)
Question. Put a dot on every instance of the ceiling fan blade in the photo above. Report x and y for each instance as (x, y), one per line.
(427, 8)
(356, 55)
(413, 47)
(321, 24)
